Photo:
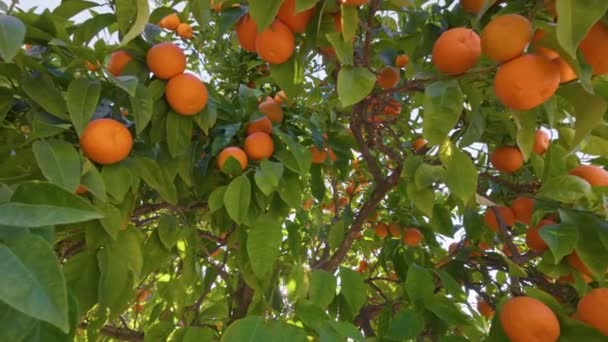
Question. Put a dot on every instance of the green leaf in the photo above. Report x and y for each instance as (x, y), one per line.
(344, 49)
(447, 311)
(31, 216)
(347, 331)
(250, 328)
(526, 130)
(263, 242)
(322, 288)
(353, 289)
(43, 193)
(216, 199)
(112, 221)
(143, 14)
(12, 34)
(575, 20)
(427, 174)
(42, 90)
(354, 84)
(442, 107)
(142, 105)
(405, 325)
(59, 162)
(268, 175)
(153, 176)
(289, 76)
(461, 176)
(264, 11)
(566, 189)
(336, 235)
(196, 334)
(32, 280)
(83, 95)
(93, 181)
(82, 277)
(561, 239)
(302, 5)
(588, 109)
(128, 83)
(118, 180)
(237, 198)
(350, 22)
(15, 325)
(179, 133)
(301, 155)
(419, 284)
(441, 221)
(168, 230)
(115, 283)
(201, 12)
(451, 286)
(290, 189)
(423, 198)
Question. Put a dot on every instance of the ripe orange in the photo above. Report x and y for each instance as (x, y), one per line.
(297, 22)
(594, 175)
(350, 190)
(592, 309)
(138, 308)
(474, 6)
(362, 266)
(184, 30)
(118, 61)
(489, 218)
(412, 237)
(319, 156)
(575, 261)
(354, 2)
(307, 204)
(418, 144)
(166, 60)
(523, 207)
(395, 229)
(506, 37)
(142, 295)
(525, 319)
(170, 22)
(595, 48)
(456, 51)
(337, 21)
(533, 239)
(259, 146)
(507, 159)
(526, 82)
(186, 94)
(106, 141)
(541, 50)
(271, 109)
(342, 202)
(233, 152)
(566, 73)
(484, 308)
(81, 190)
(276, 43)
(92, 66)
(401, 61)
(541, 142)
(246, 33)
(262, 124)
(392, 108)
(387, 77)
(281, 97)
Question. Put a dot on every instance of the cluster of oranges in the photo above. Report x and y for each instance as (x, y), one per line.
(411, 237)
(509, 159)
(173, 23)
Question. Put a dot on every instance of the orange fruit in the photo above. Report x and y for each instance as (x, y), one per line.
(575, 261)
(401, 61)
(233, 152)
(184, 30)
(246, 33)
(337, 21)
(331, 207)
(271, 109)
(186, 94)
(526, 82)
(281, 97)
(81, 190)
(592, 309)
(106, 141)
(320, 156)
(489, 218)
(507, 159)
(171, 22)
(456, 51)
(533, 239)
(350, 190)
(541, 142)
(262, 124)
(506, 37)
(387, 77)
(395, 229)
(566, 73)
(307, 204)
(595, 48)
(526, 319)
(276, 43)
(259, 146)
(166, 60)
(354, 2)
(342, 202)
(412, 237)
(594, 175)
(138, 308)
(297, 22)
(474, 6)
(392, 108)
(484, 308)
(523, 207)
(541, 50)
(92, 66)
(418, 144)
(373, 217)
(142, 295)
(362, 266)
(118, 61)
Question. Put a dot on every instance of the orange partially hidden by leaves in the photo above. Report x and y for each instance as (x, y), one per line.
(491, 220)
(106, 141)
(281, 97)
(484, 308)
(575, 261)
(259, 146)
(81, 190)
(276, 43)
(297, 22)
(142, 295)
(474, 6)
(342, 202)
(594, 175)
(401, 61)
(592, 309)
(456, 51)
(541, 50)
(307, 204)
(233, 152)
(541, 142)
(412, 237)
(186, 94)
(507, 159)
(184, 30)
(138, 308)
(566, 73)
(92, 66)
(320, 156)
(171, 22)
(166, 60)
(246, 33)
(506, 37)
(271, 109)
(362, 266)
(523, 207)
(526, 81)
(526, 319)
(418, 144)
(262, 124)
(118, 61)
(387, 77)
(533, 239)
(395, 229)
(595, 48)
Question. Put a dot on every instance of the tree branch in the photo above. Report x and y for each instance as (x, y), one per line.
(122, 334)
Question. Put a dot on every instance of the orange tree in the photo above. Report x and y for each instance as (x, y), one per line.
(294, 170)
